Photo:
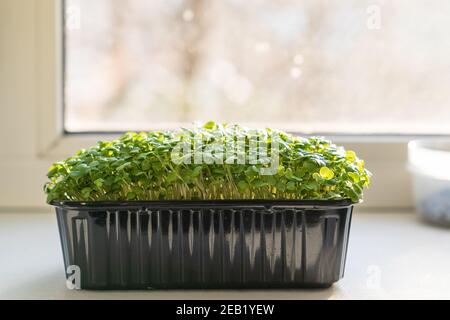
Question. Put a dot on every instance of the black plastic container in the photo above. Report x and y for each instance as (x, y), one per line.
(205, 244)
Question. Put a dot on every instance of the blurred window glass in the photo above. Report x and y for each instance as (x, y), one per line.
(338, 66)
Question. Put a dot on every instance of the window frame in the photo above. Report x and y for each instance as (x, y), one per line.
(385, 155)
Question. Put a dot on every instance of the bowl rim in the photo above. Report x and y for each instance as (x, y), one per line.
(432, 145)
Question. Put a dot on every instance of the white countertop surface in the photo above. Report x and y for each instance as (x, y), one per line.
(391, 256)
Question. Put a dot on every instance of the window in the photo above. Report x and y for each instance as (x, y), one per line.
(328, 66)
(34, 71)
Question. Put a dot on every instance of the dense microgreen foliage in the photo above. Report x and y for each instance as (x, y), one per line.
(141, 166)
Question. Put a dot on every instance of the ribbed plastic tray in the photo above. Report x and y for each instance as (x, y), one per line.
(205, 244)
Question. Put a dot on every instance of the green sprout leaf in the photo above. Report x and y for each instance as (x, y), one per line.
(291, 186)
(242, 185)
(99, 182)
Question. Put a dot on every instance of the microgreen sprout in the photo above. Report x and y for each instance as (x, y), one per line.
(141, 166)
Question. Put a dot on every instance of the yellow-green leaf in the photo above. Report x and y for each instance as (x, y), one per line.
(350, 156)
(361, 165)
(354, 176)
(326, 173)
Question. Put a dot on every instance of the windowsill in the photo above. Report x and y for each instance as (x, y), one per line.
(392, 255)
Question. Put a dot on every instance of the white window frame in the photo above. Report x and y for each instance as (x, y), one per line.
(385, 155)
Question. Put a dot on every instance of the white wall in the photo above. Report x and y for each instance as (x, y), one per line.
(21, 171)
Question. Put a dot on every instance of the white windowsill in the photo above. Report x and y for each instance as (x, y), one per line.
(391, 255)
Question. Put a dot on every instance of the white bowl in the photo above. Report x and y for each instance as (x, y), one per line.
(429, 164)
